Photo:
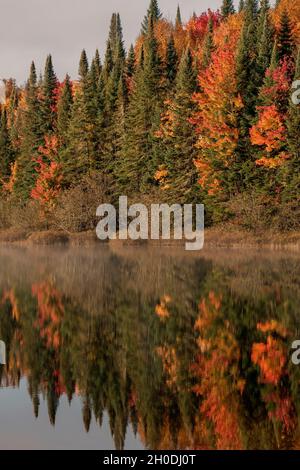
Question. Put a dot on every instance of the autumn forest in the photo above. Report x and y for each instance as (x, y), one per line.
(193, 112)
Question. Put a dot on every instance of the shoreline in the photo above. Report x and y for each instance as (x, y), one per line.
(215, 237)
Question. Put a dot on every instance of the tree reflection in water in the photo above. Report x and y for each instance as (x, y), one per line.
(192, 351)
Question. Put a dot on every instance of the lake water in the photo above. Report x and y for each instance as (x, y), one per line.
(136, 348)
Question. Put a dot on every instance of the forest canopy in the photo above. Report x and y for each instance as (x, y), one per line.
(193, 112)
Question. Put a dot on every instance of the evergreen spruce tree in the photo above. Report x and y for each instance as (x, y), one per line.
(227, 8)
(13, 115)
(143, 119)
(77, 156)
(153, 13)
(64, 110)
(111, 96)
(292, 189)
(115, 53)
(265, 38)
(81, 151)
(241, 6)
(115, 38)
(120, 50)
(130, 62)
(108, 63)
(171, 61)
(31, 137)
(112, 36)
(97, 64)
(248, 83)
(89, 87)
(83, 65)
(178, 22)
(247, 66)
(6, 150)
(180, 148)
(117, 130)
(49, 85)
(285, 37)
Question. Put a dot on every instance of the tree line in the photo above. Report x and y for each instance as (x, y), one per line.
(193, 112)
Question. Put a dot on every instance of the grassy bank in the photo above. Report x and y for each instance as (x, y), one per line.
(217, 237)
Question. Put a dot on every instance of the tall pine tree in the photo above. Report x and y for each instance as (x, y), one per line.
(227, 8)
(171, 61)
(64, 111)
(32, 129)
(6, 150)
(285, 37)
(49, 86)
(178, 22)
(154, 14)
(292, 189)
(143, 118)
(179, 137)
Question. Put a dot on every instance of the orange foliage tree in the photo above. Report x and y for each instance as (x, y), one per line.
(197, 27)
(216, 369)
(219, 103)
(49, 178)
(270, 131)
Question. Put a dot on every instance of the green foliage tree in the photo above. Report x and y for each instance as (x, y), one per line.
(292, 189)
(31, 136)
(227, 8)
(285, 37)
(83, 65)
(171, 61)
(143, 117)
(49, 86)
(265, 38)
(6, 151)
(64, 110)
(178, 22)
(154, 14)
(180, 149)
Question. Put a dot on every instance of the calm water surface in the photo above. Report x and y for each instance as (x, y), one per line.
(130, 348)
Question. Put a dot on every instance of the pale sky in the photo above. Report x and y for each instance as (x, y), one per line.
(31, 29)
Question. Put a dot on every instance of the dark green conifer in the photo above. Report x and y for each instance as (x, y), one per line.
(285, 37)
(227, 8)
(292, 189)
(130, 63)
(64, 110)
(180, 148)
(153, 13)
(6, 151)
(83, 65)
(178, 22)
(171, 61)
(97, 64)
(265, 38)
(49, 85)
(32, 129)
(247, 66)
(143, 119)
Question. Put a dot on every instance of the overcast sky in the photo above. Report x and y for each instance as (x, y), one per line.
(31, 29)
